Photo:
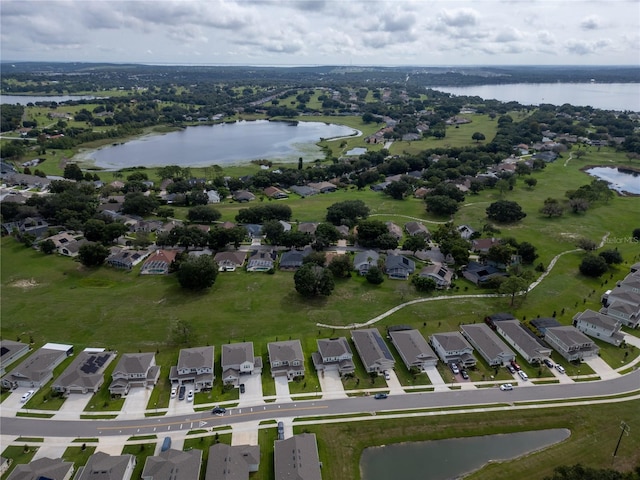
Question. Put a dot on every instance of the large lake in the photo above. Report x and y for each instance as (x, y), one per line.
(221, 144)
(620, 181)
(24, 99)
(606, 96)
(451, 458)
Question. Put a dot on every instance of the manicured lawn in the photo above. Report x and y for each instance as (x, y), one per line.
(141, 452)
(18, 455)
(77, 455)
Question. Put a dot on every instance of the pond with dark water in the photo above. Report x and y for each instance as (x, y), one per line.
(451, 458)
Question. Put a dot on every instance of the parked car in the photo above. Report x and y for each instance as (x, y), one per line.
(387, 375)
(380, 396)
(242, 388)
(464, 374)
(219, 411)
(560, 368)
(548, 363)
(511, 369)
(181, 392)
(174, 392)
(506, 386)
(166, 444)
(26, 396)
(515, 365)
(454, 368)
(280, 431)
(523, 375)
(190, 396)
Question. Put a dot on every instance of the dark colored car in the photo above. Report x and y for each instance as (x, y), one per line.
(464, 374)
(280, 431)
(219, 411)
(242, 388)
(511, 369)
(380, 396)
(182, 392)
(548, 363)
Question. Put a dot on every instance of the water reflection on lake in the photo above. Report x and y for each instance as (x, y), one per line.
(25, 99)
(620, 181)
(451, 458)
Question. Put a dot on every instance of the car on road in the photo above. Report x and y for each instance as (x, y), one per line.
(174, 392)
(387, 375)
(454, 368)
(380, 396)
(523, 375)
(548, 363)
(242, 388)
(464, 374)
(181, 392)
(506, 386)
(512, 370)
(560, 368)
(219, 411)
(190, 396)
(26, 396)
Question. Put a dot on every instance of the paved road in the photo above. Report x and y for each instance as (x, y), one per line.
(33, 427)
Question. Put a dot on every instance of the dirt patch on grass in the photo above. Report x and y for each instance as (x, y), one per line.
(25, 283)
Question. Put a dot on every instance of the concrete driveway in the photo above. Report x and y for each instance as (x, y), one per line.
(393, 383)
(436, 379)
(73, 406)
(12, 403)
(245, 433)
(54, 447)
(252, 390)
(135, 403)
(331, 384)
(602, 368)
(282, 390)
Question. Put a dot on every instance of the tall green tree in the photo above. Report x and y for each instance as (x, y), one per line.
(312, 280)
(197, 273)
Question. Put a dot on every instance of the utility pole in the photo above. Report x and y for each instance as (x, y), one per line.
(624, 428)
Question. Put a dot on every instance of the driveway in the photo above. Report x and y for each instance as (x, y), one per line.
(282, 390)
(436, 379)
(393, 383)
(245, 433)
(12, 403)
(54, 447)
(331, 384)
(73, 406)
(602, 368)
(135, 403)
(252, 390)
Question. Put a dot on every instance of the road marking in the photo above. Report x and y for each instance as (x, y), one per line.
(212, 418)
(202, 424)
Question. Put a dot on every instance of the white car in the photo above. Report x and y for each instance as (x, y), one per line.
(506, 386)
(560, 368)
(26, 396)
(523, 375)
(190, 396)
(387, 375)
(174, 392)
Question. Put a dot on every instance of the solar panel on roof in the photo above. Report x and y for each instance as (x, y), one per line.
(383, 347)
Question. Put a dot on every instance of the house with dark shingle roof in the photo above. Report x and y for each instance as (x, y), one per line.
(44, 468)
(173, 465)
(102, 466)
(293, 259)
(261, 260)
(194, 369)
(417, 228)
(286, 359)
(303, 190)
(571, 343)
(134, 370)
(297, 458)
(229, 261)
(487, 344)
(439, 273)
(399, 267)
(597, 325)
(127, 259)
(478, 273)
(227, 462)
(243, 196)
(373, 350)
(413, 349)
(238, 359)
(522, 340)
(37, 369)
(85, 374)
(11, 351)
(334, 354)
(452, 347)
(363, 261)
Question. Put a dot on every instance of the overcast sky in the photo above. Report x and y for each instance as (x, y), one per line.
(323, 32)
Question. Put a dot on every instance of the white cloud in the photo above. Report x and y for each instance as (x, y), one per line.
(592, 22)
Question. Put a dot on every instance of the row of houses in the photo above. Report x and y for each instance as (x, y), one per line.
(295, 457)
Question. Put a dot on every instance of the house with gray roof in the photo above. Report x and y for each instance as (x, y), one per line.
(37, 369)
(394, 230)
(237, 360)
(308, 227)
(623, 302)
(10, 351)
(286, 359)
(487, 344)
(44, 468)
(522, 340)
(229, 261)
(303, 190)
(625, 312)
(134, 370)
(173, 465)
(373, 350)
(413, 349)
(417, 229)
(439, 273)
(243, 196)
(227, 462)
(127, 259)
(85, 374)
(363, 261)
(465, 231)
(399, 267)
(334, 354)
(297, 458)
(293, 259)
(261, 260)
(102, 466)
(597, 325)
(452, 347)
(194, 369)
(479, 274)
(571, 343)
(323, 187)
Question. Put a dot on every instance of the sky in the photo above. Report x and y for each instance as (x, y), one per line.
(323, 32)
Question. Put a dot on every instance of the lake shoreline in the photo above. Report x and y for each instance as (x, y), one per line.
(626, 169)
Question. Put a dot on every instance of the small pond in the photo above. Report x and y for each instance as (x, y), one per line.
(453, 457)
(620, 180)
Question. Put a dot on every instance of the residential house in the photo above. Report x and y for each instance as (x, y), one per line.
(625, 312)
(602, 327)
(303, 190)
(293, 259)
(308, 227)
(323, 187)
(286, 226)
(11, 351)
(413, 349)
(227, 462)
(439, 273)
(213, 196)
(159, 262)
(286, 359)
(297, 458)
(394, 230)
(373, 351)
(134, 370)
(334, 354)
(466, 231)
(399, 267)
(254, 230)
(261, 260)
(487, 344)
(243, 196)
(275, 193)
(37, 369)
(36, 226)
(72, 249)
(417, 228)
(479, 274)
(31, 181)
(194, 369)
(421, 192)
(102, 466)
(229, 261)
(363, 261)
(630, 283)
(173, 465)
(522, 340)
(85, 374)
(497, 317)
(127, 259)
(542, 323)
(452, 347)
(237, 360)
(571, 343)
(44, 468)
(482, 245)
